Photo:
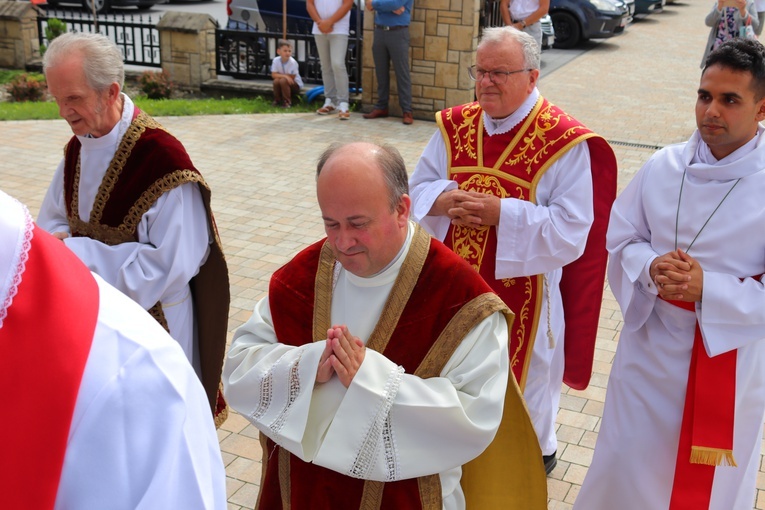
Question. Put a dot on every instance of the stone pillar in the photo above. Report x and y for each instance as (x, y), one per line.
(19, 41)
(187, 48)
(444, 37)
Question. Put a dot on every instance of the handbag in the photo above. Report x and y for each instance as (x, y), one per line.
(746, 31)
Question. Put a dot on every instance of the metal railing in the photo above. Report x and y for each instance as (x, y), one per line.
(135, 36)
(245, 53)
(490, 14)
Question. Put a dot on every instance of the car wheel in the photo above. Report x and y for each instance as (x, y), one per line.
(567, 30)
(102, 6)
(235, 58)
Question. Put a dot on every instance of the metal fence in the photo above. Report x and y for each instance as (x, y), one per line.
(246, 53)
(135, 36)
(490, 14)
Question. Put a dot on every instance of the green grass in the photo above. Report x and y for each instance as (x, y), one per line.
(47, 110)
(159, 108)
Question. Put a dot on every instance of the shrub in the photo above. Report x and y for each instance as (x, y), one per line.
(156, 84)
(55, 28)
(27, 88)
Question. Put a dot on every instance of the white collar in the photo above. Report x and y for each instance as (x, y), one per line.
(501, 126)
(746, 160)
(390, 272)
(117, 132)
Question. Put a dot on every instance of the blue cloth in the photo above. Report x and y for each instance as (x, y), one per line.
(384, 12)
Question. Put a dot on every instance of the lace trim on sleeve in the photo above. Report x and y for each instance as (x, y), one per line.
(266, 394)
(18, 264)
(380, 434)
(294, 391)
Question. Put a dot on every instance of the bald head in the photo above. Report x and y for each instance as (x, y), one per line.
(386, 159)
(361, 188)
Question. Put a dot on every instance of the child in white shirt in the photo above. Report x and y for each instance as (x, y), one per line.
(286, 74)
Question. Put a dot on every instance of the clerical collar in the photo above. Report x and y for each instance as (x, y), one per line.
(704, 153)
(500, 126)
(389, 273)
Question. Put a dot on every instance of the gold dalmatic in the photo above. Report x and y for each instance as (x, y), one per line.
(505, 165)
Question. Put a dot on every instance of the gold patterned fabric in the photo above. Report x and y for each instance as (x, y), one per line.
(505, 165)
(434, 302)
(148, 163)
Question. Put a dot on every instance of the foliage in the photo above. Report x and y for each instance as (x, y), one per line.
(156, 84)
(54, 28)
(25, 87)
(6, 75)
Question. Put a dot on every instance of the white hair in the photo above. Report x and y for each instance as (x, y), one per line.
(101, 59)
(502, 35)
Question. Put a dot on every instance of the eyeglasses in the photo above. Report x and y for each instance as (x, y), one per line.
(496, 77)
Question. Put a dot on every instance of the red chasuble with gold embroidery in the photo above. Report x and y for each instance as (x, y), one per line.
(45, 341)
(300, 296)
(149, 162)
(510, 165)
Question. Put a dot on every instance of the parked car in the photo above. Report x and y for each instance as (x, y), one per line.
(649, 6)
(548, 32)
(576, 21)
(248, 54)
(266, 16)
(103, 6)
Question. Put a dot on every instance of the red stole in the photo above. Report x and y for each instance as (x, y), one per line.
(706, 432)
(292, 294)
(44, 343)
(510, 165)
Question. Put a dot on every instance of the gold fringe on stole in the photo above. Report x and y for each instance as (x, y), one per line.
(712, 456)
(510, 473)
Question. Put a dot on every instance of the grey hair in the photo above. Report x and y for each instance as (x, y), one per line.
(101, 63)
(389, 161)
(500, 35)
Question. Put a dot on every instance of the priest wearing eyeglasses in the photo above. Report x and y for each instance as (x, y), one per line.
(522, 191)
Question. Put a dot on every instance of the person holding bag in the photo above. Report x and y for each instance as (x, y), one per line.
(729, 19)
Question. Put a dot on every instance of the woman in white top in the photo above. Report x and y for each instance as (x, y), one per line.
(525, 15)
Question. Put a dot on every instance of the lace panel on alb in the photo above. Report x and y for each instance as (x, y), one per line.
(18, 263)
(294, 391)
(380, 431)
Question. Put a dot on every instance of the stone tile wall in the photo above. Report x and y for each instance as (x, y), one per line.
(444, 36)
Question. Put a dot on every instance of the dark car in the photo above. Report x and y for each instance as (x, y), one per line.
(575, 21)
(266, 16)
(103, 6)
(648, 6)
(248, 54)
(548, 33)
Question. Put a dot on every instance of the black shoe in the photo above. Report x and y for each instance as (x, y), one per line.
(550, 462)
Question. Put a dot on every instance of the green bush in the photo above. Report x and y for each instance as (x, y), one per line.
(156, 85)
(25, 87)
(55, 28)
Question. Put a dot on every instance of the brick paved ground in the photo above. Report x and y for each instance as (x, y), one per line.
(636, 90)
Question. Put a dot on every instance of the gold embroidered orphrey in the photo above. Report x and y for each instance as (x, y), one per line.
(511, 170)
(125, 232)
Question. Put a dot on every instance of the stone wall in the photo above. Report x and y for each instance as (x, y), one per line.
(187, 48)
(19, 42)
(444, 36)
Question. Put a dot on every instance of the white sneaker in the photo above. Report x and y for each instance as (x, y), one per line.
(344, 114)
(327, 108)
